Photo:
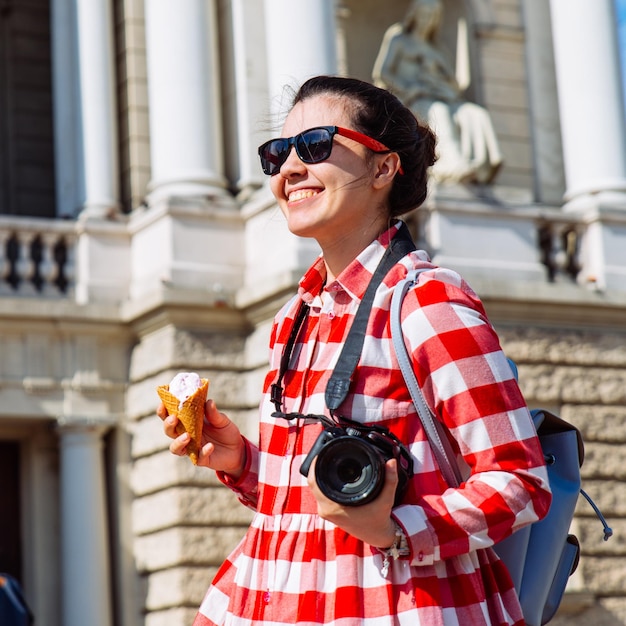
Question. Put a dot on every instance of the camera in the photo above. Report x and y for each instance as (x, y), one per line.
(350, 467)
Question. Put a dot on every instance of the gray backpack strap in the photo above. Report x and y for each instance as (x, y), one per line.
(435, 430)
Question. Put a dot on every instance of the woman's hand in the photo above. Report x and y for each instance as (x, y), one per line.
(222, 448)
(370, 522)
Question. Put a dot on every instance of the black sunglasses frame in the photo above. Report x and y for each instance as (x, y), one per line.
(299, 142)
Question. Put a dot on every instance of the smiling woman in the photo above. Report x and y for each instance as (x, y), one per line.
(351, 159)
(345, 199)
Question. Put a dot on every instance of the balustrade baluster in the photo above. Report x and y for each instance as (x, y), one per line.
(49, 267)
(68, 268)
(5, 265)
(36, 260)
(559, 247)
(25, 265)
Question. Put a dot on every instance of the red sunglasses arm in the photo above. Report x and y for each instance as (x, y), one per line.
(364, 140)
(368, 142)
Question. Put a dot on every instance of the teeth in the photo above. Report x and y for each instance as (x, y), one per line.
(302, 194)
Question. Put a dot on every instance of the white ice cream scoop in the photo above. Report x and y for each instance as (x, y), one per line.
(184, 384)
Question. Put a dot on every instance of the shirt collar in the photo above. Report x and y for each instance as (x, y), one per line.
(355, 277)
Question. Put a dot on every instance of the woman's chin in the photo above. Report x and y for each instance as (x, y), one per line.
(301, 228)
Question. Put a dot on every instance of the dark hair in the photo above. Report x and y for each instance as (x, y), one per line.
(379, 114)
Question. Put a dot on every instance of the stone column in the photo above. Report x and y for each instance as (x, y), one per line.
(590, 101)
(593, 129)
(97, 111)
(191, 235)
(298, 48)
(184, 99)
(84, 536)
(246, 100)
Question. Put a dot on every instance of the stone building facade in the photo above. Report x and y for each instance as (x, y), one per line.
(139, 239)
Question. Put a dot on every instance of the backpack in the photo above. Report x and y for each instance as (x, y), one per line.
(542, 556)
(13, 608)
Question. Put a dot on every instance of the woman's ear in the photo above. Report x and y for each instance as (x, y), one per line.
(387, 166)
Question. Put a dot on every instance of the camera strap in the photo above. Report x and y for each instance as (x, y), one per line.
(339, 383)
(276, 392)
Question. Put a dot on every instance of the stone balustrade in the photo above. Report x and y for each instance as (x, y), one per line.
(559, 244)
(36, 257)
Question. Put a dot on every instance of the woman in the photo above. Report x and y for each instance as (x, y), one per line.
(423, 560)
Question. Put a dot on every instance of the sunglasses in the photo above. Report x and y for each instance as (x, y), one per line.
(312, 146)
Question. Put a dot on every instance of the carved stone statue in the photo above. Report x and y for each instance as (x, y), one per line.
(410, 65)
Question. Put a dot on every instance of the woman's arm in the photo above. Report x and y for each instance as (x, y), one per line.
(467, 382)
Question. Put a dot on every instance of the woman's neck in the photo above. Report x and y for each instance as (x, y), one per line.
(339, 253)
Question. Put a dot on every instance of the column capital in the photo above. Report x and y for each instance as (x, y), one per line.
(74, 424)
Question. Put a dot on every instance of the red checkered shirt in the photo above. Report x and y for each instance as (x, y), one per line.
(294, 567)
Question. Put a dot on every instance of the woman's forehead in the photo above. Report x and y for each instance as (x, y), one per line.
(322, 110)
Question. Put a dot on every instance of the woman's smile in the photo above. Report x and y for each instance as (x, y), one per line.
(302, 194)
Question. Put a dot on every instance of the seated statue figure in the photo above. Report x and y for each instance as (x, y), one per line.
(411, 66)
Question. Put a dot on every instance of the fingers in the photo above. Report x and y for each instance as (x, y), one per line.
(161, 411)
(391, 471)
(179, 445)
(171, 424)
(204, 454)
(175, 431)
(370, 522)
(391, 481)
(310, 479)
(215, 417)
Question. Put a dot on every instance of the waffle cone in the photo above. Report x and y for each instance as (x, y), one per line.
(190, 415)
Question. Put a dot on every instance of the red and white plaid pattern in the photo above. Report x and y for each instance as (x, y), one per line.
(293, 567)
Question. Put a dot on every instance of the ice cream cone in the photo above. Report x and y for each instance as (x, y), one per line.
(190, 415)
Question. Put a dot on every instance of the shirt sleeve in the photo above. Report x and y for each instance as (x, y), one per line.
(470, 387)
(247, 485)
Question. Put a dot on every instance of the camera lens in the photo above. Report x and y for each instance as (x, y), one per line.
(350, 471)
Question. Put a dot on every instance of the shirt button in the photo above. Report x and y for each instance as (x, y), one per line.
(331, 315)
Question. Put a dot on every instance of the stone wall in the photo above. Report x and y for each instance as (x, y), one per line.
(581, 375)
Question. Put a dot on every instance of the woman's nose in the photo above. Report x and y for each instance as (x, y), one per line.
(292, 164)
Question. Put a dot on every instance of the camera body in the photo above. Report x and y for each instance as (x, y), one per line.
(350, 467)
